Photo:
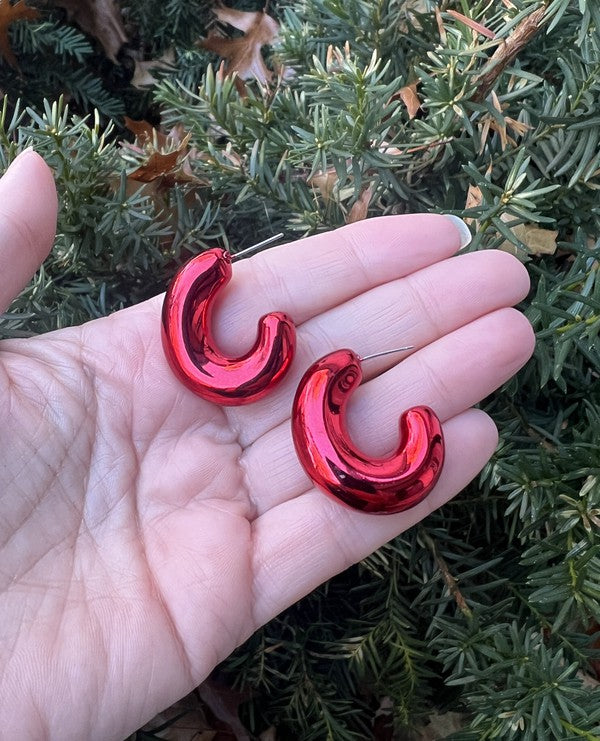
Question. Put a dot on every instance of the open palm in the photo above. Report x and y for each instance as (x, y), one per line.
(145, 533)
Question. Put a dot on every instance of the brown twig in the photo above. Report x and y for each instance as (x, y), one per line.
(506, 53)
(451, 582)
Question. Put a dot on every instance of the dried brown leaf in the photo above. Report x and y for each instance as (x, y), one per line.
(241, 19)
(100, 19)
(167, 154)
(145, 133)
(142, 75)
(537, 240)
(440, 725)
(474, 199)
(244, 55)
(157, 166)
(359, 210)
(409, 97)
(8, 15)
(325, 182)
(478, 27)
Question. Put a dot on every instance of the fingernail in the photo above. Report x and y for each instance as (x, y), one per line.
(463, 229)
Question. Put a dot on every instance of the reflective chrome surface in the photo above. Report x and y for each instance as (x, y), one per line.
(323, 445)
(190, 348)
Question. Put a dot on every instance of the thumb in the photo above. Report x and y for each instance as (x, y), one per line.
(28, 207)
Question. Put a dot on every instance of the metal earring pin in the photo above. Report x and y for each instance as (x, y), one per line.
(329, 457)
(189, 345)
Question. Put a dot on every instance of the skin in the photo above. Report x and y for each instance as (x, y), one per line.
(145, 533)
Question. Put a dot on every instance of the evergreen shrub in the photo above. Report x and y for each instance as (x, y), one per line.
(487, 109)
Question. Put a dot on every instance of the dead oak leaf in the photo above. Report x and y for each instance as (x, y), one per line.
(244, 54)
(100, 19)
(9, 14)
(158, 165)
(241, 19)
(164, 157)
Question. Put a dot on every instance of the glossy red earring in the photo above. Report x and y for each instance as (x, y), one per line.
(190, 348)
(323, 445)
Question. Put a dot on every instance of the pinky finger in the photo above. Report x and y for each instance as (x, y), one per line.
(307, 540)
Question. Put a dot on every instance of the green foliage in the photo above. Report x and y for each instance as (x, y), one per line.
(115, 246)
(490, 606)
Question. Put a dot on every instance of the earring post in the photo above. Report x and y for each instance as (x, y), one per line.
(256, 247)
(386, 352)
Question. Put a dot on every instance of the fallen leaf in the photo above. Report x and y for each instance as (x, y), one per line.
(478, 27)
(441, 725)
(243, 54)
(359, 210)
(243, 20)
(386, 148)
(144, 133)
(9, 14)
(537, 240)
(164, 157)
(410, 9)
(325, 182)
(409, 97)
(100, 19)
(157, 166)
(474, 199)
(142, 74)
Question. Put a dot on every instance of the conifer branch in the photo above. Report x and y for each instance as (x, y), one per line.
(449, 579)
(506, 52)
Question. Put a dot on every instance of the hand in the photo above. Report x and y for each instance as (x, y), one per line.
(145, 533)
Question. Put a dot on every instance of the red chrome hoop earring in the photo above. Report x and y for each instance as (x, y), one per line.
(323, 445)
(189, 346)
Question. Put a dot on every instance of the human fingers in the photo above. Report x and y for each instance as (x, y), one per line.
(28, 206)
(305, 541)
(415, 310)
(315, 274)
(448, 375)
(312, 274)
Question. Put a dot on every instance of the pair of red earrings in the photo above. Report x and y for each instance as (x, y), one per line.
(321, 439)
